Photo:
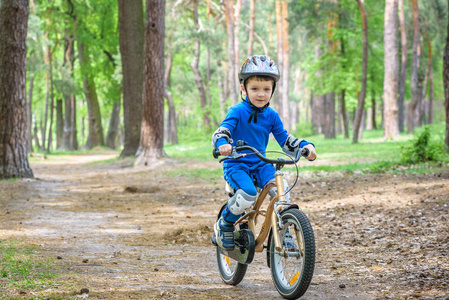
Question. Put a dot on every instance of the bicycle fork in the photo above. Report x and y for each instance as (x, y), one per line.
(275, 221)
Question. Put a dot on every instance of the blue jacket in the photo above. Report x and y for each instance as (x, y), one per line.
(255, 134)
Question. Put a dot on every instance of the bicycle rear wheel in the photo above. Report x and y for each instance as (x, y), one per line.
(231, 271)
(292, 269)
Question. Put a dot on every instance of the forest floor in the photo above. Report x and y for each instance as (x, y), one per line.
(143, 233)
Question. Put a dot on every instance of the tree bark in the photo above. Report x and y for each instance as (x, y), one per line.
(195, 69)
(416, 91)
(59, 124)
(29, 116)
(95, 137)
(172, 127)
(429, 108)
(446, 83)
(280, 60)
(362, 95)
(70, 138)
(252, 18)
(131, 40)
(404, 56)
(344, 112)
(391, 78)
(229, 14)
(114, 123)
(152, 134)
(50, 131)
(237, 7)
(13, 117)
(329, 116)
(286, 66)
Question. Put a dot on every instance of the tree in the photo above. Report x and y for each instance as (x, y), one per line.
(446, 83)
(252, 18)
(404, 55)
(152, 133)
(391, 70)
(229, 14)
(416, 91)
(362, 95)
(96, 137)
(131, 40)
(194, 65)
(13, 119)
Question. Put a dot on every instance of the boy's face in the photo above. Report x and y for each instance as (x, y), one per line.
(258, 91)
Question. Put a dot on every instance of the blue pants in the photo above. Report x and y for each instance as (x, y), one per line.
(241, 176)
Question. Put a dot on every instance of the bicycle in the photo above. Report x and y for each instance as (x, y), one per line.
(291, 267)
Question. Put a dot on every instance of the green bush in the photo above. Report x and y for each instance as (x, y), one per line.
(422, 149)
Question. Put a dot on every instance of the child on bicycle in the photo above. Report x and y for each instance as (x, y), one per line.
(252, 121)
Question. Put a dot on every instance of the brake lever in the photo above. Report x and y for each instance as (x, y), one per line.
(234, 155)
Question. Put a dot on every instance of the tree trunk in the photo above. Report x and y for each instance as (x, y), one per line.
(152, 135)
(172, 127)
(344, 113)
(95, 137)
(373, 106)
(429, 108)
(362, 95)
(13, 118)
(70, 139)
(280, 61)
(229, 13)
(286, 66)
(36, 136)
(237, 7)
(194, 66)
(173, 130)
(114, 123)
(329, 125)
(47, 93)
(59, 124)
(252, 17)
(391, 78)
(416, 91)
(446, 83)
(404, 56)
(29, 116)
(50, 131)
(131, 40)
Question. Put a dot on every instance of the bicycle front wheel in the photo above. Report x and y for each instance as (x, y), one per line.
(292, 268)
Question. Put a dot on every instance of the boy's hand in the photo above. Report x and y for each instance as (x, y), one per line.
(312, 154)
(225, 150)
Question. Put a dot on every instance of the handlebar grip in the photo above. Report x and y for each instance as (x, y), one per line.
(305, 152)
(216, 153)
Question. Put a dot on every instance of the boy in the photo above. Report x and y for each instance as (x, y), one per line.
(252, 121)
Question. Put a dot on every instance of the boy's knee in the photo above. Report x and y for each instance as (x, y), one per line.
(240, 202)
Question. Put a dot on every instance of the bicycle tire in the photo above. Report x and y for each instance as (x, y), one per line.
(292, 273)
(231, 271)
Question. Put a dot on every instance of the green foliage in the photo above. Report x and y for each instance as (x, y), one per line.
(423, 149)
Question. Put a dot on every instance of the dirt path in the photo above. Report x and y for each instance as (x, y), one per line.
(140, 234)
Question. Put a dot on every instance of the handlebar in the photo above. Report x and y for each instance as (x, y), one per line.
(241, 146)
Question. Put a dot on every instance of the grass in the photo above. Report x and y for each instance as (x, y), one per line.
(205, 174)
(371, 154)
(22, 269)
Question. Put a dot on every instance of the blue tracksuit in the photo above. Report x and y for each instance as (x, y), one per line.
(255, 130)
